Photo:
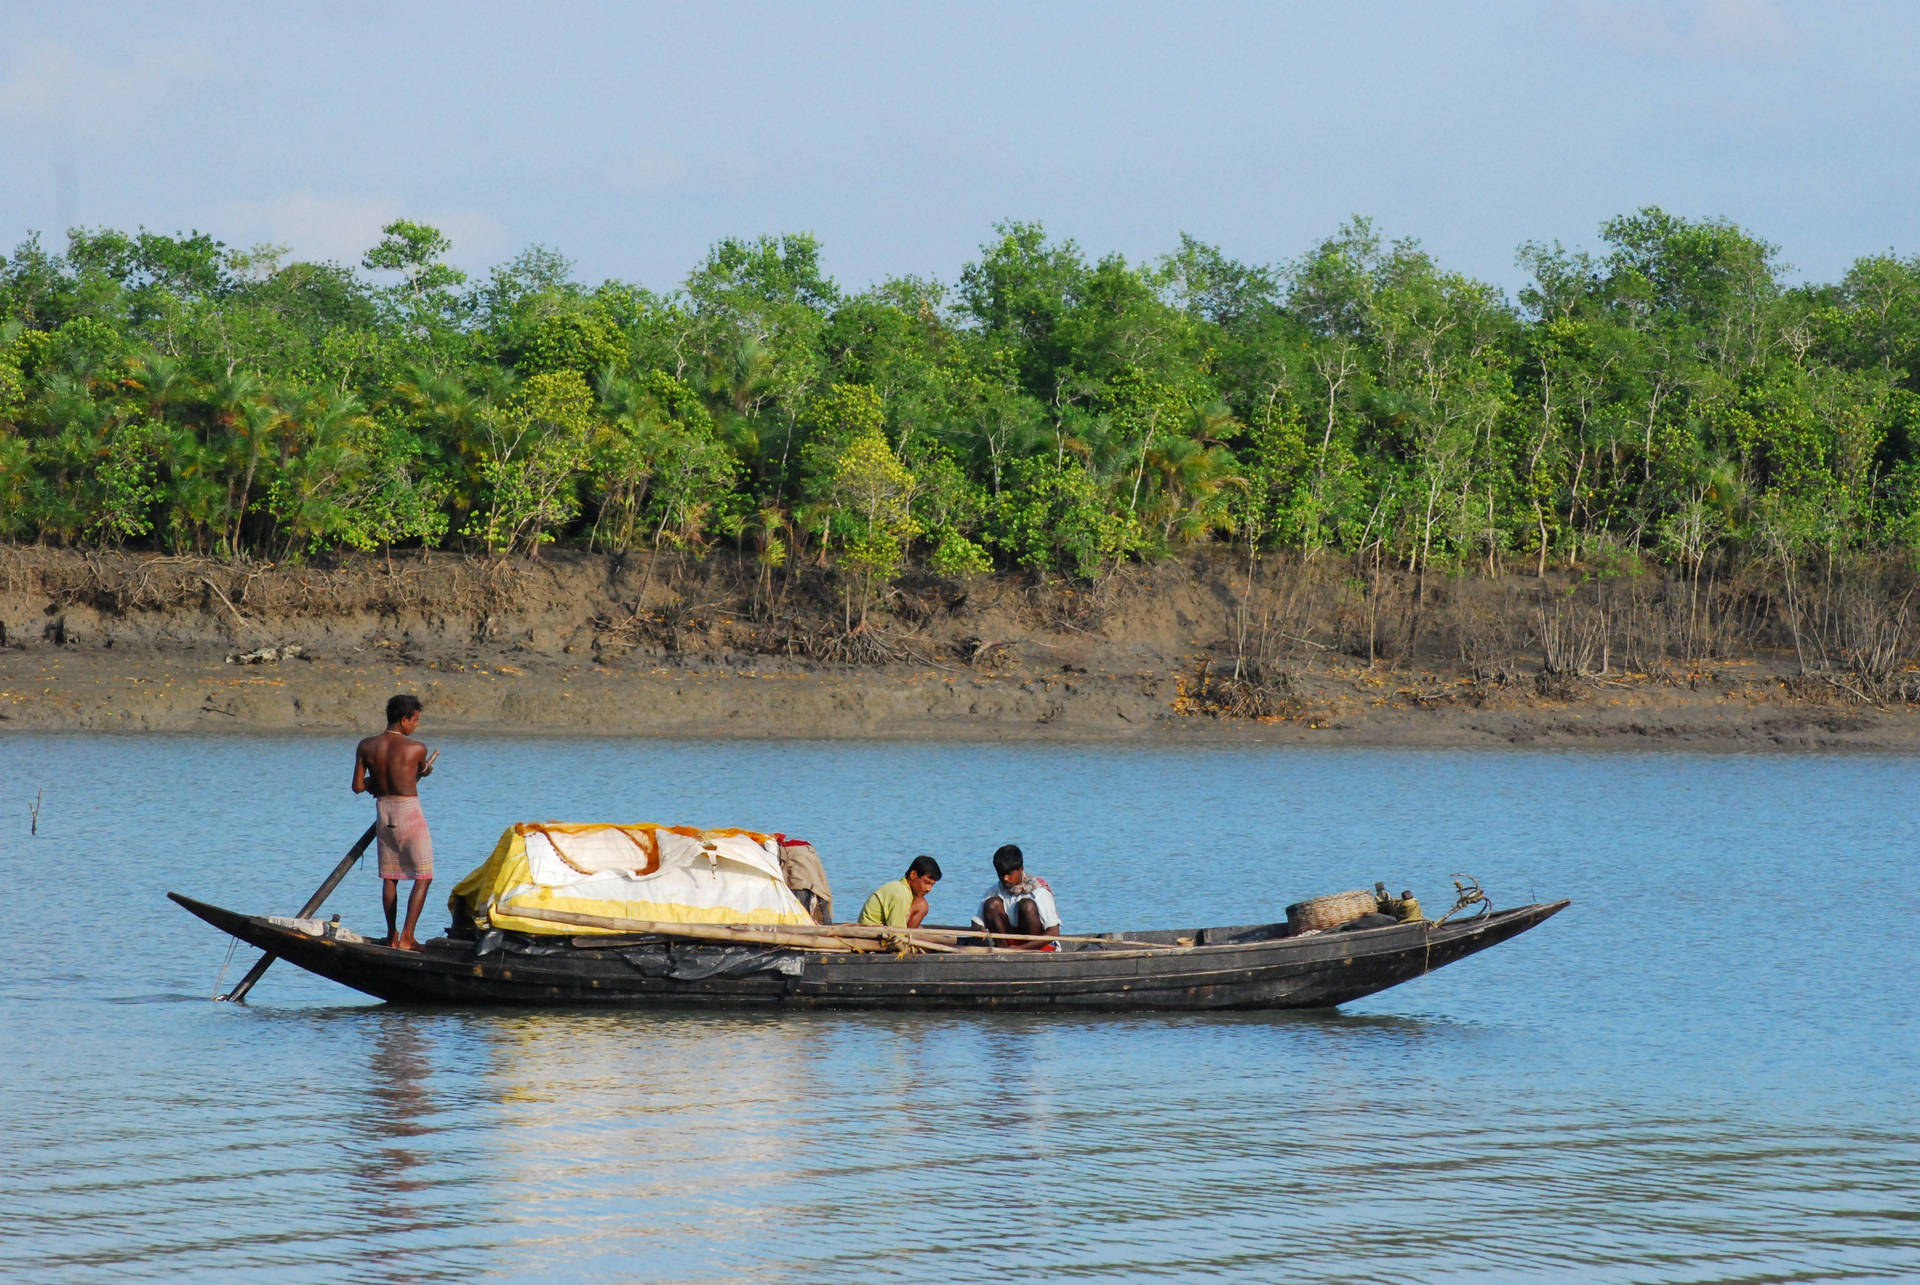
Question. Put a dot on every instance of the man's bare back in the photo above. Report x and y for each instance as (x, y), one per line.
(391, 764)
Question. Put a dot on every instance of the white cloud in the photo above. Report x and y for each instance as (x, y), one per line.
(1696, 28)
(343, 228)
(479, 240)
(1742, 27)
(651, 169)
(52, 88)
(314, 227)
(655, 171)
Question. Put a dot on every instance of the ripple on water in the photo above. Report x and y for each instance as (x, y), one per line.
(1676, 1080)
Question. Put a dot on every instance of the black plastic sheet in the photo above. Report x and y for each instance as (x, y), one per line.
(681, 961)
(684, 963)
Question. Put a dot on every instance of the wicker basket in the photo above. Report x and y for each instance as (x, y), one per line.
(1329, 912)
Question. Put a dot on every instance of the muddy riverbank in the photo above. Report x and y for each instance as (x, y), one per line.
(593, 646)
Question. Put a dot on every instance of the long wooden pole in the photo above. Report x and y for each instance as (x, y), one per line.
(955, 934)
(239, 993)
(856, 937)
(732, 934)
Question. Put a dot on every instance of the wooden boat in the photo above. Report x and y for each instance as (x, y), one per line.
(1251, 966)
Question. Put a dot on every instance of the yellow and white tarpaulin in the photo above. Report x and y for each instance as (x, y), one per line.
(668, 874)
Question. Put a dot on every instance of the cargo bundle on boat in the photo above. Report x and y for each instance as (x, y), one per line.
(660, 915)
(657, 873)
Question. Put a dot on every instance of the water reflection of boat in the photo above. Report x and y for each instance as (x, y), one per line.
(1249, 966)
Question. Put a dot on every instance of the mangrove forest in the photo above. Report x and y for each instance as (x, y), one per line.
(1668, 399)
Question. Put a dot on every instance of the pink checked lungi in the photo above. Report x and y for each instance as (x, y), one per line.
(406, 849)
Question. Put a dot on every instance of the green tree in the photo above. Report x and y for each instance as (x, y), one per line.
(426, 293)
(537, 445)
(1053, 517)
(655, 464)
(871, 492)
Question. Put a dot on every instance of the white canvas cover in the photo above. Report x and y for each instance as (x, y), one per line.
(664, 874)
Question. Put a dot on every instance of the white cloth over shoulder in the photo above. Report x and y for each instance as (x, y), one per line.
(1042, 901)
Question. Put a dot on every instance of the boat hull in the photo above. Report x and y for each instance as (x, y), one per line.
(1238, 968)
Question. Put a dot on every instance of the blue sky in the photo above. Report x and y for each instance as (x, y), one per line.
(630, 137)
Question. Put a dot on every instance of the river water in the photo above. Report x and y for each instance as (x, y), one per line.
(1704, 1070)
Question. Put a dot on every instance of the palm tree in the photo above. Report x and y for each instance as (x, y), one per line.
(625, 444)
(451, 414)
(324, 460)
(1190, 481)
(252, 426)
(741, 374)
(160, 383)
(76, 427)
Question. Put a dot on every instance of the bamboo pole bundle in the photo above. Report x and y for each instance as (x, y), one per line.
(858, 938)
(957, 934)
(793, 936)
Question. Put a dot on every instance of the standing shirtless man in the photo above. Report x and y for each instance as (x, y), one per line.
(389, 767)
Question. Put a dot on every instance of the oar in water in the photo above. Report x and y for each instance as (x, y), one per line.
(239, 993)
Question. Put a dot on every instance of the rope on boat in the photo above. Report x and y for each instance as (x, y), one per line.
(1469, 893)
(232, 944)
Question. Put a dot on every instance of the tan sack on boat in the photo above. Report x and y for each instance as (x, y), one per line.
(1329, 912)
(807, 877)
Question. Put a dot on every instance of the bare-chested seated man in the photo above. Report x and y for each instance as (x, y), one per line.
(1018, 903)
(389, 767)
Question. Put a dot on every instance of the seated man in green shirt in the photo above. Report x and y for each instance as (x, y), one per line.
(903, 903)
